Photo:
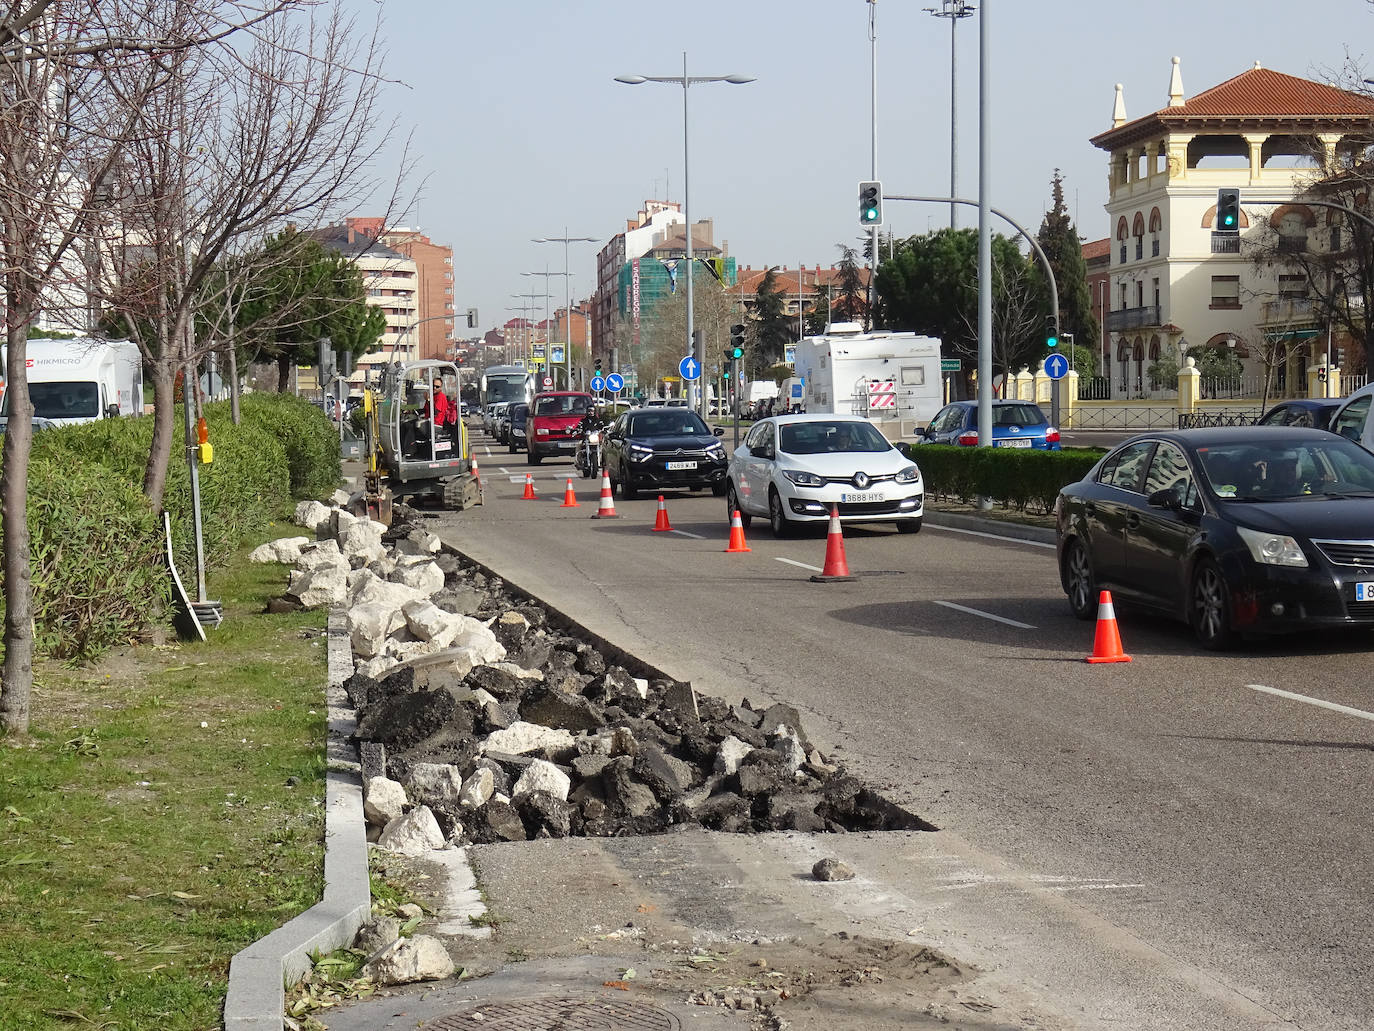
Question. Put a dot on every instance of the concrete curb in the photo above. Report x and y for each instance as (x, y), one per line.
(1002, 528)
(258, 975)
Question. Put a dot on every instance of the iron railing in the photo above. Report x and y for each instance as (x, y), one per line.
(1124, 417)
(1218, 417)
(1132, 318)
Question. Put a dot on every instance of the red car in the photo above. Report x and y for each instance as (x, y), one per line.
(552, 426)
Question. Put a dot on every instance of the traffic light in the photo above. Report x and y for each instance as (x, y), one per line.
(598, 366)
(1228, 210)
(870, 204)
(736, 341)
(472, 318)
(1051, 332)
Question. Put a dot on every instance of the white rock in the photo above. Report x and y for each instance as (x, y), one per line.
(339, 522)
(435, 783)
(369, 626)
(426, 578)
(518, 671)
(312, 515)
(728, 756)
(429, 622)
(383, 800)
(420, 543)
(521, 737)
(482, 696)
(543, 776)
(284, 549)
(477, 788)
(364, 535)
(324, 585)
(787, 744)
(403, 649)
(320, 553)
(406, 960)
(376, 667)
(364, 557)
(472, 634)
(413, 834)
(370, 588)
(340, 498)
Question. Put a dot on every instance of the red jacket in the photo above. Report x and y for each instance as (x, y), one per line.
(446, 412)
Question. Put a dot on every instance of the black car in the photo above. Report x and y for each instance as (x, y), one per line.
(516, 434)
(1315, 412)
(663, 448)
(1252, 529)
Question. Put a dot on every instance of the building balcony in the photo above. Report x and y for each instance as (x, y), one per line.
(1133, 318)
(1225, 243)
(1286, 309)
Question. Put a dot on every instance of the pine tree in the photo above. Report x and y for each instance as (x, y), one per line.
(1059, 240)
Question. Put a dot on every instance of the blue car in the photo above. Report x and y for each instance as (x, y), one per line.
(1314, 412)
(1014, 424)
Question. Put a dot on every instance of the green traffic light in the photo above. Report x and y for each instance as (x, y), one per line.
(1052, 342)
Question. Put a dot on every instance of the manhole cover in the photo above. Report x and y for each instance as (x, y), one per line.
(585, 1014)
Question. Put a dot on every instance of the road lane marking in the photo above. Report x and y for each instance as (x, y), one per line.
(488, 452)
(1333, 706)
(504, 470)
(991, 536)
(985, 615)
(794, 562)
(694, 536)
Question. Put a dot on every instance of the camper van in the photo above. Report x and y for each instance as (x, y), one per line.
(81, 380)
(879, 375)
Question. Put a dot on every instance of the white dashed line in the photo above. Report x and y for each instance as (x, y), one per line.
(991, 536)
(985, 615)
(794, 562)
(694, 536)
(1333, 706)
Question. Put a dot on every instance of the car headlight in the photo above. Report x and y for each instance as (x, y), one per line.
(1272, 549)
(542, 431)
(715, 451)
(802, 478)
(640, 453)
(909, 475)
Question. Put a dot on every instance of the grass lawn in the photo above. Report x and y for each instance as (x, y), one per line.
(166, 810)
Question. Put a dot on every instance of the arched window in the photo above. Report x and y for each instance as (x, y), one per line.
(1138, 231)
(1156, 224)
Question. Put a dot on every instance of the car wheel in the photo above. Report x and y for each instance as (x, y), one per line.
(513, 448)
(909, 526)
(627, 490)
(1079, 582)
(732, 506)
(777, 518)
(1209, 606)
(532, 457)
(718, 490)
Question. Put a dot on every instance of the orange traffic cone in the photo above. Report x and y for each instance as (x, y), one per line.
(476, 473)
(607, 509)
(661, 520)
(1107, 641)
(836, 566)
(529, 489)
(737, 534)
(569, 498)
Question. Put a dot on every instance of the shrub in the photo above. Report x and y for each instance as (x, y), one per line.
(310, 438)
(1018, 477)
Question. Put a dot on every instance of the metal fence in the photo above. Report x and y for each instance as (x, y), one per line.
(1125, 417)
(1218, 417)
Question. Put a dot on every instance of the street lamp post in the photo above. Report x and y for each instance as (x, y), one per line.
(529, 350)
(684, 80)
(954, 10)
(548, 352)
(565, 239)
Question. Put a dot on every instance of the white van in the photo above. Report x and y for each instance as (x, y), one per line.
(81, 380)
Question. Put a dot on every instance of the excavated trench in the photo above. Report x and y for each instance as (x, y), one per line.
(570, 737)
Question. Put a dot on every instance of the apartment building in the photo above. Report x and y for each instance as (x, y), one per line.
(434, 330)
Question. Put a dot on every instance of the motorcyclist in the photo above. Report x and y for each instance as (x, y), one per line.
(592, 422)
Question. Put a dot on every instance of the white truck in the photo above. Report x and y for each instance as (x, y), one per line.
(81, 380)
(883, 376)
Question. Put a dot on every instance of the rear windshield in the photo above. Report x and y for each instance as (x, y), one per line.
(814, 438)
(564, 404)
(1017, 415)
(665, 423)
(79, 400)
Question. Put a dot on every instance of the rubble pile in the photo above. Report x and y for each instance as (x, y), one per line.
(480, 719)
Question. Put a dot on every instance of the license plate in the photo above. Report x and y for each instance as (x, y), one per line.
(1014, 442)
(681, 465)
(443, 445)
(870, 496)
(1364, 592)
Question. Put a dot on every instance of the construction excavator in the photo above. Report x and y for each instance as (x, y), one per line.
(407, 451)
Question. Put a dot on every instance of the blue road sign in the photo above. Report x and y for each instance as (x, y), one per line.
(615, 383)
(1056, 365)
(689, 368)
(598, 384)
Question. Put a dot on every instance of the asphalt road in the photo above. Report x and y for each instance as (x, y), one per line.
(1165, 843)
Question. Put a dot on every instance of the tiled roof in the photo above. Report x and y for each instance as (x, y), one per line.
(1096, 248)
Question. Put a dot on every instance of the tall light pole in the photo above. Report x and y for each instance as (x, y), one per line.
(530, 299)
(873, 143)
(953, 10)
(684, 80)
(548, 353)
(565, 239)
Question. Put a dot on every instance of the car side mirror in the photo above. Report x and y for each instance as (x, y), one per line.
(719, 431)
(904, 448)
(112, 411)
(1169, 498)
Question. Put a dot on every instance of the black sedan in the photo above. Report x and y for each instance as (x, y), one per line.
(1307, 411)
(1241, 530)
(663, 448)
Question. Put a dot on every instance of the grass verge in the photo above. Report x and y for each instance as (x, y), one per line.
(166, 811)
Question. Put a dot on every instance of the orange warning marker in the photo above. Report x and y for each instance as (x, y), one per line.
(661, 520)
(569, 498)
(476, 473)
(1107, 640)
(836, 566)
(529, 489)
(737, 534)
(607, 509)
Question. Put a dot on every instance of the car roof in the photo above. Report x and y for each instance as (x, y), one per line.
(814, 417)
(1217, 435)
(561, 393)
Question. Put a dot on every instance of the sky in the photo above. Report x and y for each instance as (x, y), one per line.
(518, 130)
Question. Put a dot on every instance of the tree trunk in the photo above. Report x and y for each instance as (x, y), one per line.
(234, 413)
(160, 451)
(17, 689)
(283, 373)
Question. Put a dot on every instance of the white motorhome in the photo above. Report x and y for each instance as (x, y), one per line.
(81, 380)
(846, 371)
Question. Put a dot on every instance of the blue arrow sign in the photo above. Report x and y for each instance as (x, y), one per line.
(615, 383)
(598, 384)
(1056, 365)
(690, 368)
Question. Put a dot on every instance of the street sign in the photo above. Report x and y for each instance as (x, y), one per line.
(951, 364)
(1055, 366)
(690, 368)
(539, 350)
(614, 383)
(556, 354)
(537, 360)
(548, 382)
(598, 384)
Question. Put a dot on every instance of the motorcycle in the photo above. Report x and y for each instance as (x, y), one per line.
(587, 456)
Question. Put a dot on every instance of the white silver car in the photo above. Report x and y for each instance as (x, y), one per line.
(792, 468)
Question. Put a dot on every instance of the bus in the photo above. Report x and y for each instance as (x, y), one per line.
(506, 383)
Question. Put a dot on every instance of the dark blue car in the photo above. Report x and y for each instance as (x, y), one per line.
(1014, 424)
(1315, 412)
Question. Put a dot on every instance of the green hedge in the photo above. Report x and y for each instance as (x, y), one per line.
(98, 572)
(1021, 478)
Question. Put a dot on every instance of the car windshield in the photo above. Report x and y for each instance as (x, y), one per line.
(663, 423)
(1017, 415)
(562, 404)
(77, 400)
(1277, 470)
(816, 438)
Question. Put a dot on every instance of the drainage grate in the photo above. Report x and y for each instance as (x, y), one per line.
(585, 1014)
